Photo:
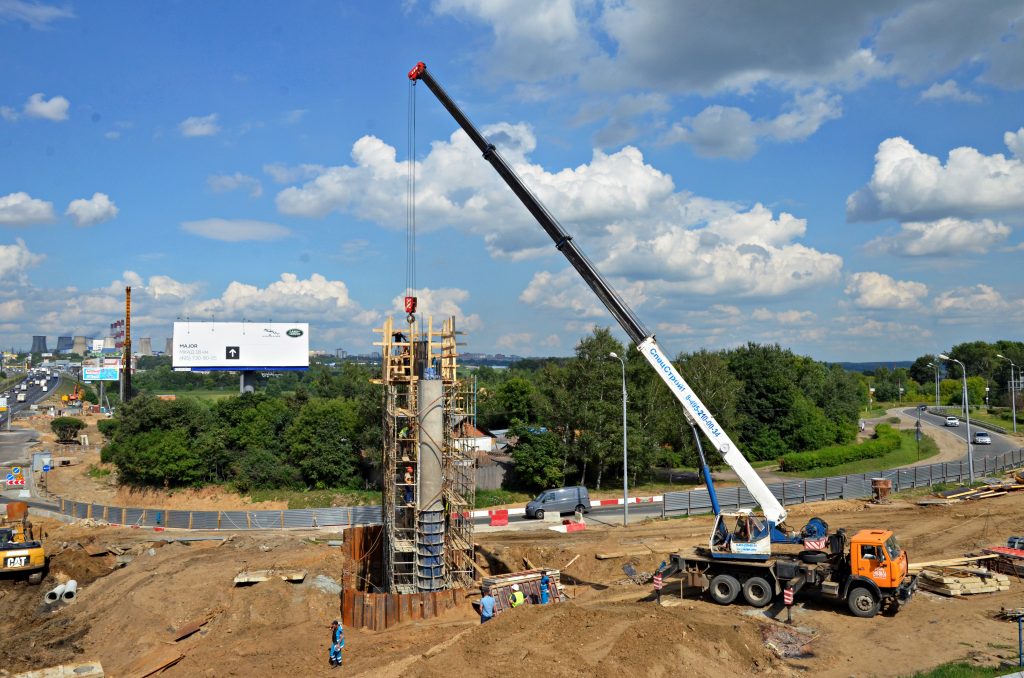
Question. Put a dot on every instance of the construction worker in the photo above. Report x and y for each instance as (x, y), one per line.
(409, 479)
(337, 642)
(516, 598)
(658, 583)
(545, 594)
(487, 607)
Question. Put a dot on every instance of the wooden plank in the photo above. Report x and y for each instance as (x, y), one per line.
(77, 670)
(950, 561)
(256, 576)
(153, 662)
(191, 627)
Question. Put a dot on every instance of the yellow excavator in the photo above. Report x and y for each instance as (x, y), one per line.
(21, 554)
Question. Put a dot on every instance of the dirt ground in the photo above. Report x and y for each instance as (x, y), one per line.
(610, 627)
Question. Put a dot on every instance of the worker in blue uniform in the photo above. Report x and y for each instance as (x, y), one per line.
(337, 642)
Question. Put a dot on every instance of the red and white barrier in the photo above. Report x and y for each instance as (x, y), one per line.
(486, 513)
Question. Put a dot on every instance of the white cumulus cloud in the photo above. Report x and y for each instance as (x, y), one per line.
(95, 210)
(55, 108)
(199, 126)
(951, 91)
(16, 259)
(949, 237)
(235, 230)
(37, 15)
(970, 301)
(1015, 142)
(21, 209)
(441, 303)
(731, 132)
(871, 290)
(223, 183)
(913, 186)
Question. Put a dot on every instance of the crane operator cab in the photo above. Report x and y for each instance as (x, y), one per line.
(741, 535)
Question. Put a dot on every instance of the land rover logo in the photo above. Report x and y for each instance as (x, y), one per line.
(294, 332)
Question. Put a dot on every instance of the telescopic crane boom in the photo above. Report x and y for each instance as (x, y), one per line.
(695, 411)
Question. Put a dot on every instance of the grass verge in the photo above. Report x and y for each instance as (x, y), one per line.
(906, 454)
(485, 498)
(305, 499)
(961, 670)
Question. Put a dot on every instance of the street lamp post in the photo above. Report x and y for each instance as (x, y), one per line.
(1013, 391)
(625, 457)
(936, 383)
(967, 413)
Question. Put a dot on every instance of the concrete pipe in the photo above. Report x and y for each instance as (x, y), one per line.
(51, 597)
(70, 591)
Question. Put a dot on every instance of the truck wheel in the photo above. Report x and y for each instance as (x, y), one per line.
(862, 602)
(757, 591)
(539, 514)
(724, 588)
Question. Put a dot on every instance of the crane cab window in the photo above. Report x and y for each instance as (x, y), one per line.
(871, 552)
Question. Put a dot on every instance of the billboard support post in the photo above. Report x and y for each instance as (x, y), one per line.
(247, 382)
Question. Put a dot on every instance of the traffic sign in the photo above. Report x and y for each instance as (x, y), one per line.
(16, 482)
(46, 468)
(16, 470)
(10, 477)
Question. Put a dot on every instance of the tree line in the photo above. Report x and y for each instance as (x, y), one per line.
(322, 428)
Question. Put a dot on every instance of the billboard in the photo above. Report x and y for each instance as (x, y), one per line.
(100, 373)
(240, 346)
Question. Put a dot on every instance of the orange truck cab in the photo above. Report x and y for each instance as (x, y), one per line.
(878, 573)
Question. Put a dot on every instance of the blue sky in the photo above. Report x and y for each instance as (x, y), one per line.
(847, 181)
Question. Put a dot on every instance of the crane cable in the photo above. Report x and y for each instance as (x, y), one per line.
(410, 196)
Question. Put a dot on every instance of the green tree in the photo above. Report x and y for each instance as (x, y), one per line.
(319, 443)
(537, 456)
(66, 428)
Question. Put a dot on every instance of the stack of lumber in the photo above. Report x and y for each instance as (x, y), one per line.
(962, 581)
(965, 561)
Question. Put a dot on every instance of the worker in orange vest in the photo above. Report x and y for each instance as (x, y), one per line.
(658, 584)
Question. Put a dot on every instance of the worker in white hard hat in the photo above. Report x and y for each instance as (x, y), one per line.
(516, 598)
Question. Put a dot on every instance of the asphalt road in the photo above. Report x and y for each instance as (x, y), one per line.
(1000, 443)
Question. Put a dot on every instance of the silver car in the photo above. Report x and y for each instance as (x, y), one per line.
(982, 438)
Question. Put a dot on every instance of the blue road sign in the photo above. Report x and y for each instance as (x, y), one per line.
(46, 467)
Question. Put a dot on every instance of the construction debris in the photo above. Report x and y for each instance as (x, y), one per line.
(77, 670)
(787, 643)
(190, 627)
(962, 581)
(256, 576)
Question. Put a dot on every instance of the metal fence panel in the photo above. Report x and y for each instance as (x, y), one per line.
(265, 519)
(205, 520)
(857, 489)
(178, 519)
(234, 520)
(298, 518)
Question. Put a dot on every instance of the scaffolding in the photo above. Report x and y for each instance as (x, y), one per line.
(428, 470)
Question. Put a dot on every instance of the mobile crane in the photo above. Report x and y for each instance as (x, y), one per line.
(737, 558)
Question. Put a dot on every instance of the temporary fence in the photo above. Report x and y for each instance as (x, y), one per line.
(345, 516)
(853, 486)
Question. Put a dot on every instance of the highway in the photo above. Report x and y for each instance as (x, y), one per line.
(1000, 443)
(15, 445)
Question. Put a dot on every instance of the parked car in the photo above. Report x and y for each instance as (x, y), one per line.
(560, 500)
(952, 421)
(982, 438)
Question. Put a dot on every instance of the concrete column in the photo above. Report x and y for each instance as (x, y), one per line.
(430, 522)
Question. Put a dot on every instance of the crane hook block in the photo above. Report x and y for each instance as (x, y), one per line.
(417, 70)
(410, 304)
